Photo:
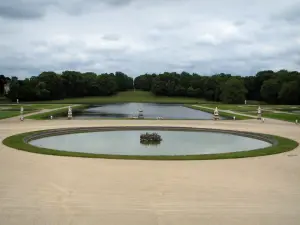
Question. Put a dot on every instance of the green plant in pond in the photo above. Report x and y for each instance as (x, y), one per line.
(150, 138)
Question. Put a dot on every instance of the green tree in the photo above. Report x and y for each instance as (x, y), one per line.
(2, 83)
(14, 87)
(290, 93)
(233, 91)
(269, 91)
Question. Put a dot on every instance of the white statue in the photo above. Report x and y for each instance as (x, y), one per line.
(17, 101)
(21, 113)
(216, 114)
(51, 117)
(245, 102)
(70, 112)
(259, 113)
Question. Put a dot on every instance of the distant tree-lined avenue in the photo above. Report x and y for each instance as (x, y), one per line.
(281, 87)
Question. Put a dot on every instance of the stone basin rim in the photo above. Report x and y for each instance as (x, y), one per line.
(278, 144)
(63, 131)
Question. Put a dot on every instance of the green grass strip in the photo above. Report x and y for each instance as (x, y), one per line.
(282, 116)
(56, 113)
(8, 114)
(221, 113)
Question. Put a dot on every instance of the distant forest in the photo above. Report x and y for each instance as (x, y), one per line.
(281, 87)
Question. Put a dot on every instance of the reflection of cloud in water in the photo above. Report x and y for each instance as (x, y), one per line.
(126, 110)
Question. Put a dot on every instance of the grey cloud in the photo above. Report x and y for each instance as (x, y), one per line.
(18, 13)
(118, 2)
(34, 9)
(289, 14)
(111, 37)
(17, 9)
(141, 36)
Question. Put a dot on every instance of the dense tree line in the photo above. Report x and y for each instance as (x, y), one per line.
(281, 87)
(52, 86)
(3, 81)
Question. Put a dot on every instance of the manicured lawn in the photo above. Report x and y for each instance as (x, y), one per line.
(9, 110)
(266, 110)
(57, 112)
(244, 108)
(222, 114)
(282, 116)
(32, 106)
(8, 114)
(127, 96)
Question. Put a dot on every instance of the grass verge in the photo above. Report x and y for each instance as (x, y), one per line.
(8, 114)
(283, 145)
(282, 116)
(13, 107)
(9, 110)
(57, 112)
(221, 113)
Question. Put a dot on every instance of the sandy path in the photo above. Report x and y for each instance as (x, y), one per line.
(41, 189)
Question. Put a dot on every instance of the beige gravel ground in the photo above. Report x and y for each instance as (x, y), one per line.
(51, 190)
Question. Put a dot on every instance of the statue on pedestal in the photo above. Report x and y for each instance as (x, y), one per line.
(70, 113)
(216, 114)
(21, 113)
(259, 113)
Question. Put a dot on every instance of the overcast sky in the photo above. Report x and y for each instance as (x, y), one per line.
(139, 36)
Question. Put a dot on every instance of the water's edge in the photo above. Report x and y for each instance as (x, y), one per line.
(62, 131)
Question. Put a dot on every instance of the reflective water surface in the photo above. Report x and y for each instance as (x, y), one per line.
(150, 111)
(128, 143)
